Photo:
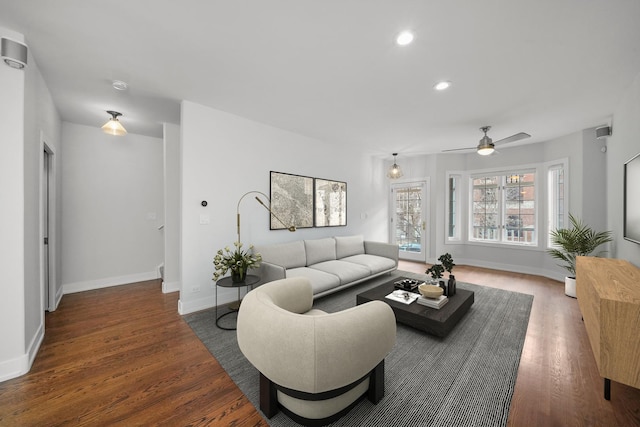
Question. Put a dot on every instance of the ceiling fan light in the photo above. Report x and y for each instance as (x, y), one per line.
(485, 149)
(113, 126)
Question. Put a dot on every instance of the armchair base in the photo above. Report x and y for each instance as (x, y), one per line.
(372, 389)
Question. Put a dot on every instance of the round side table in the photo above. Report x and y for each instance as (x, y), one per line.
(226, 282)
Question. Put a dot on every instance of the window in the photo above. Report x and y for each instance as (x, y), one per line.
(485, 208)
(453, 225)
(557, 202)
(503, 208)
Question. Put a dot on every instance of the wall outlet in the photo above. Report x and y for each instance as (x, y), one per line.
(195, 289)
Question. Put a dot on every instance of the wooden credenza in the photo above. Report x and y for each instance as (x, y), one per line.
(608, 292)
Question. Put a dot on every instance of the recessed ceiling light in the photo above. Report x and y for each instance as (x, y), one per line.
(404, 38)
(120, 85)
(442, 85)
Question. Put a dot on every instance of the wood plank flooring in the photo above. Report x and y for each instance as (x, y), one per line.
(123, 356)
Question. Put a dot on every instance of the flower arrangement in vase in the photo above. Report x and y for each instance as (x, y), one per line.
(238, 261)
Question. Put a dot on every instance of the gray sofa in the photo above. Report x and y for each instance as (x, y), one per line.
(330, 264)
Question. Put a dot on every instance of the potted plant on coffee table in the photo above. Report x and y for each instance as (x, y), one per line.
(569, 243)
(445, 263)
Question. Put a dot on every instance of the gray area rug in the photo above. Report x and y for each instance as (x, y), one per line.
(464, 379)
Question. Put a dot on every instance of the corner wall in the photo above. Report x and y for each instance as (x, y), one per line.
(171, 158)
(13, 360)
(27, 117)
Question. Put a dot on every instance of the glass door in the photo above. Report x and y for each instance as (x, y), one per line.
(409, 219)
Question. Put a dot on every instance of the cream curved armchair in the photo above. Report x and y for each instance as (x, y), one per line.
(314, 366)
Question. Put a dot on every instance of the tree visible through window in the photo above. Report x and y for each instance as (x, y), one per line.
(409, 218)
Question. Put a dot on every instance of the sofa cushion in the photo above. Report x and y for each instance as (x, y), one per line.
(320, 280)
(319, 250)
(347, 271)
(348, 246)
(376, 264)
(288, 255)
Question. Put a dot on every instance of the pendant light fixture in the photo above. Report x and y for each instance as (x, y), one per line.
(113, 126)
(394, 172)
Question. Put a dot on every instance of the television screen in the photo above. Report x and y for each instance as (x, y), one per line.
(632, 199)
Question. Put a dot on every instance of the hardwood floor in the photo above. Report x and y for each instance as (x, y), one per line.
(123, 356)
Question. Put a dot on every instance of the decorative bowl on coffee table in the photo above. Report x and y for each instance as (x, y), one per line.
(430, 291)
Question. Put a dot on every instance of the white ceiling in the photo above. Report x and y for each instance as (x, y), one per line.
(331, 69)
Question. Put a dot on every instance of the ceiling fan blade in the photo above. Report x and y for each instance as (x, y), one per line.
(459, 149)
(513, 138)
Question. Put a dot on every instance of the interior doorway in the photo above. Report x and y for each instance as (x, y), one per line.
(409, 219)
(47, 233)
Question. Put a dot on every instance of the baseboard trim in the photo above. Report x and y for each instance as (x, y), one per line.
(168, 287)
(514, 269)
(59, 295)
(195, 305)
(13, 368)
(70, 288)
(35, 344)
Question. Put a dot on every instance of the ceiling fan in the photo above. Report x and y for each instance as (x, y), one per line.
(486, 145)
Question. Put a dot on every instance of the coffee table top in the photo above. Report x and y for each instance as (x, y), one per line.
(434, 321)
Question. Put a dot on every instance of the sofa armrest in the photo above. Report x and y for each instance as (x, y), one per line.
(386, 250)
(269, 272)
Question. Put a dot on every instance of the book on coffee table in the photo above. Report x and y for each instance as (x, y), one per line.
(433, 302)
(402, 296)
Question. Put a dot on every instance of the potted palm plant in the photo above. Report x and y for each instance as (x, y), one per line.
(569, 243)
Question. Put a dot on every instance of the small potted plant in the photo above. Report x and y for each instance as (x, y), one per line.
(237, 261)
(569, 243)
(445, 263)
(435, 271)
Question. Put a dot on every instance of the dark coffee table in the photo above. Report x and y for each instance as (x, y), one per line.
(437, 322)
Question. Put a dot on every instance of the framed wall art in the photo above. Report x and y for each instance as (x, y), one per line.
(330, 203)
(291, 201)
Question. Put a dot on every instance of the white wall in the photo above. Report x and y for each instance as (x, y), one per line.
(112, 206)
(42, 125)
(171, 279)
(27, 114)
(224, 156)
(13, 361)
(623, 144)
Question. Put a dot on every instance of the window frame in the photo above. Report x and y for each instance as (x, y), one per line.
(550, 216)
(459, 232)
(503, 173)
